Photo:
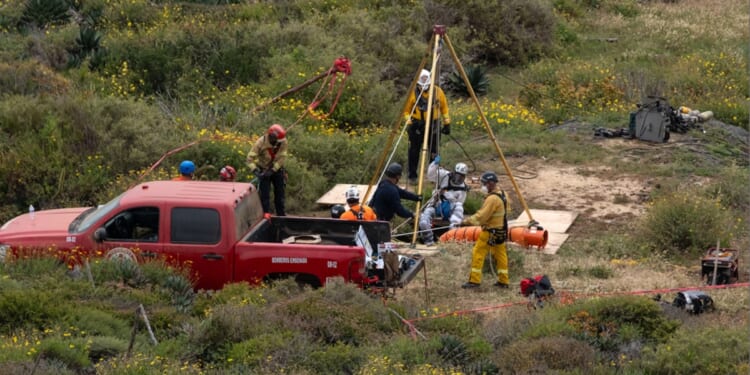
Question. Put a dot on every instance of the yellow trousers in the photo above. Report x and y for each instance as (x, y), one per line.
(499, 254)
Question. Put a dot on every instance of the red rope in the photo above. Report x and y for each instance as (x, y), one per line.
(634, 292)
(340, 65)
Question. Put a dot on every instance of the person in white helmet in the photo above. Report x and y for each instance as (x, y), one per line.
(415, 114)
(356, 210)
(447, 200)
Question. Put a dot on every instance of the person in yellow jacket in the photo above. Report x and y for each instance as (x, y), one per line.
(415, 115)
(266, 161)
(493, 217)
(356, 210)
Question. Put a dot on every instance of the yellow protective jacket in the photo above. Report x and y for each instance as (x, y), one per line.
(492, 213)
(263, 155)
(438, 107)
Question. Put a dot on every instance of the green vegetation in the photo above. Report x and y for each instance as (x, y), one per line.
(93, 93)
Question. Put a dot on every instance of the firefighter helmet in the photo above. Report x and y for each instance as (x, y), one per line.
(187, 167)
(394, 170)
(489, 176)
(462, 168)
(424, 79)
(277, 131)
(352, 193)
(228, 173)
(337, 210)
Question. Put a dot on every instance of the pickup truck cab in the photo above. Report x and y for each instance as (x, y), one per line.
(217, 229)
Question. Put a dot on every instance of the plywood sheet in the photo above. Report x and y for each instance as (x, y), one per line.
(336, 194)
(551, 220)
(555, 222)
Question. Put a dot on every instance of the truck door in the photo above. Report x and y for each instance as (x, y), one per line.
(133, 233)
(195, 239)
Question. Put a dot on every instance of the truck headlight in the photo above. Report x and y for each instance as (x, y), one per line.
(3, 252)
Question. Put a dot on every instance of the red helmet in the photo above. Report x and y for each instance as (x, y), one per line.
(228, 173)
(277, 131)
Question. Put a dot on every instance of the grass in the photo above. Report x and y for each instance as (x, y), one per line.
(545, 110)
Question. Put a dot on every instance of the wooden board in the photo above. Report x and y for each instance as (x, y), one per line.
(552, 221)
(336, 194)
(555, 222)
(406, 249)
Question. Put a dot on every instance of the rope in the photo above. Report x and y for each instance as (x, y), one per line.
(582, 295)
(340, 65)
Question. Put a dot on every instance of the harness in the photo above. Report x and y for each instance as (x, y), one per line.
(359, 214)
(499, 235)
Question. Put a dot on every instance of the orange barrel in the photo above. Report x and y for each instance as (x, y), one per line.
(462, 234)
(529, 236)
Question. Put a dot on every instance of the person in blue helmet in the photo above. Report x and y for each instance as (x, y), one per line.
(187, 170)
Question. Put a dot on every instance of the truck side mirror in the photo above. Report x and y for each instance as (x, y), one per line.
(100, 235)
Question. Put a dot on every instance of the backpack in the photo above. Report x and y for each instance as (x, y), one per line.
(538, 286)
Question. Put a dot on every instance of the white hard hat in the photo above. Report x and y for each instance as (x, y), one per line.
(462, 168)
(352, 193)
(424, 78)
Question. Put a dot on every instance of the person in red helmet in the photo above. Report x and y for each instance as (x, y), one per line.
(228, 173)
(266, 161)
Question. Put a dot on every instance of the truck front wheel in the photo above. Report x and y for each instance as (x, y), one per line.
(121, 253)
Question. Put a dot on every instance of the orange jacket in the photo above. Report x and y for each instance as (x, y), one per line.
(182, 178)
(367, 213)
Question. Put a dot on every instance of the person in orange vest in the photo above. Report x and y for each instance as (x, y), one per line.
(415, 115)
(228, 173)
(493, 217)
(266, 160)
(357, 211)
(187, 169)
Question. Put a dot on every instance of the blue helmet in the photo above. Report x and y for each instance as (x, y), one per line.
(187, 167)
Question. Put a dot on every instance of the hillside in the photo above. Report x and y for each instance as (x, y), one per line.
(93, 94)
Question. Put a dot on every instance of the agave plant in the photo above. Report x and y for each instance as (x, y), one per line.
(477, 76)
(42, 13)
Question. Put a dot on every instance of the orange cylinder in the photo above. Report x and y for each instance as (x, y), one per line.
(529, 236)
(462, 234)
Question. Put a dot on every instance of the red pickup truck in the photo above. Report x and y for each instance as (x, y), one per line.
(217, 229)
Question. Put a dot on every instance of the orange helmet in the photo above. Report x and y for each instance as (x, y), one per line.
(277, 131)
(228, 173)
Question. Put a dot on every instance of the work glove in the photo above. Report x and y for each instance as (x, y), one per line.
(419, 198)
(407, 118)
(446, 129)
(257, 172)
(436, 160)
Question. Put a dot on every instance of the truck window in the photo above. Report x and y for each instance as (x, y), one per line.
(91, 216)
(135, 224)
(246, 214)
(195, 225)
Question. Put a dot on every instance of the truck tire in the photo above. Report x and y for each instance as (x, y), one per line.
(121, 253)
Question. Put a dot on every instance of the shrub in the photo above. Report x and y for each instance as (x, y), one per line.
(686, 223)
(254, 351)
(99, 323)
(609, 323)
(546, 354)
(336, 359)
(29, 308)
(43, 13)
(104, 347)
(705, 350)
(508, 33)
(72, 352)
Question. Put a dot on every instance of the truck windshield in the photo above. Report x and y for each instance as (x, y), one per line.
(89, 217)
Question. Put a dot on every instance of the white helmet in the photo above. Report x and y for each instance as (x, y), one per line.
(352, 193)
(424, 79)
(462, 168)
